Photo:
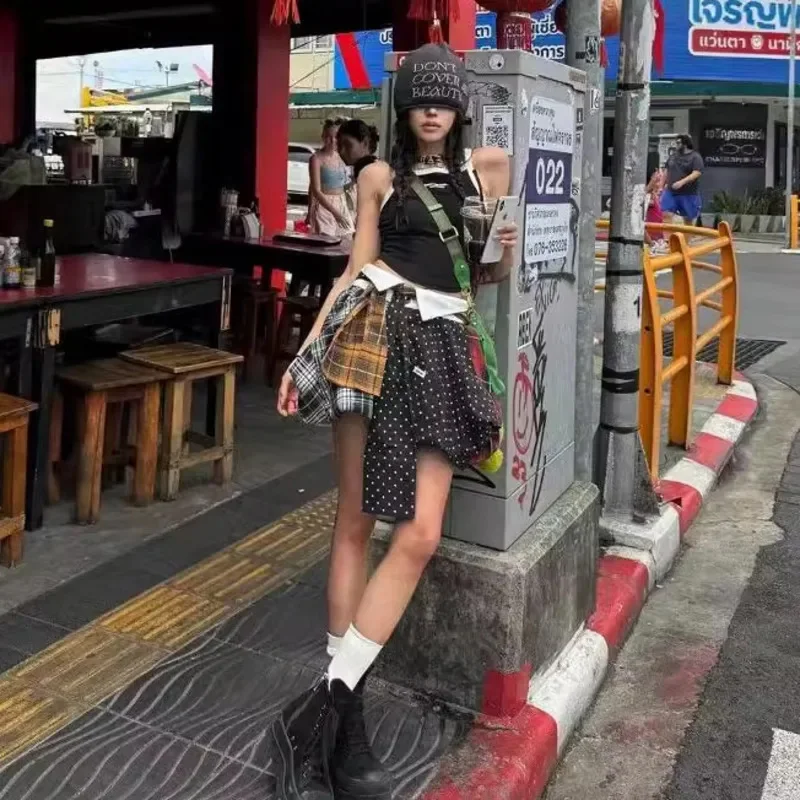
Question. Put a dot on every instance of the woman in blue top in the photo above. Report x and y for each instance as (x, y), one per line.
(329, 213)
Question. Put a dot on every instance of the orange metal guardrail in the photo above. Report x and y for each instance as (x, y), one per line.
(682, 260)
(794, 223)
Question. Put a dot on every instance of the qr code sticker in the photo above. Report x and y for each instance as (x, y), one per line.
(498, 128)
(497, 136)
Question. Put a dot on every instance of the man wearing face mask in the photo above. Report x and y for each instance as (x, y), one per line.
(682, 194)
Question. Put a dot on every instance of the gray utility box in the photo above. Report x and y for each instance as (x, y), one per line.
(533, 108)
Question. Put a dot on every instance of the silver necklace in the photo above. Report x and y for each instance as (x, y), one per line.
(431, 161)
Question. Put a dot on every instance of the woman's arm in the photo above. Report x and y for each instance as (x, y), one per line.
(494, 172)
(372, 185)
(315, 187)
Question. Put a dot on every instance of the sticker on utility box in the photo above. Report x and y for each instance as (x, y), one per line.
(549, 181)
(498, 128)
(525, 328)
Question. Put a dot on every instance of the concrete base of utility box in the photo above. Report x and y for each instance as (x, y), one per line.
(483, 622)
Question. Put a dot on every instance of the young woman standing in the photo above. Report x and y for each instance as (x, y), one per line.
(391, 363)
(328, 211)
(357, 143)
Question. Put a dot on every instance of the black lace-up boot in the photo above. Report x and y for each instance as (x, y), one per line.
(304, 736)
(356, 774)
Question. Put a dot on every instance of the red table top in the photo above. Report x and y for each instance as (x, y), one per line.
(97, 273)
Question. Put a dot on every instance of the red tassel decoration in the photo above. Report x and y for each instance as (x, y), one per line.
(421, 9)
(428, 10)
(658, 41)
(603, 54)
(283, 11)
(435, 32)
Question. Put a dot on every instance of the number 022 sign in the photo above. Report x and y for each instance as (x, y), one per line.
(549, 181)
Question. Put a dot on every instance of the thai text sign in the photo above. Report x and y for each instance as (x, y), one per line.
(733, 147)
(740, 28)
(548, 184)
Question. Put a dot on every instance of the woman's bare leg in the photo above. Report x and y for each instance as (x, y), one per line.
(347, 576)
(390, 589)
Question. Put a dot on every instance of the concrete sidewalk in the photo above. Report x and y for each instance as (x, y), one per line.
(158, 674)
(145, 657)
(627, 746)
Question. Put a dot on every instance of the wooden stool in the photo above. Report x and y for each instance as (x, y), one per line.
(254, 320)
(186, 363)
(104, 387)
(14, 415)
(298, 314)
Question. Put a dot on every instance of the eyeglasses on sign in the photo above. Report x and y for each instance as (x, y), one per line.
(730, 149)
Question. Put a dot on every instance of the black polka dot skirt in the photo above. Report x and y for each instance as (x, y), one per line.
(432, 398)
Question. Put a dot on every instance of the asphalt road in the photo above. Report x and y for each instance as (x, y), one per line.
(744, 743)
(769, 296)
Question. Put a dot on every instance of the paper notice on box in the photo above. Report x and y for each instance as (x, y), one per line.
(547, 232)
(552, 125)
(549, 182)
(498, 128)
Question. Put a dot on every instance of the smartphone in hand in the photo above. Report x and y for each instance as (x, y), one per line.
(505, 213)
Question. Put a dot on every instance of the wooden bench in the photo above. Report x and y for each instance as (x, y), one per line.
(103, 388)
(184, 363)
(14, 415)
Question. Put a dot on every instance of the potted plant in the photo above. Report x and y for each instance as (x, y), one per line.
(727, 207)
(708, 219)
(760, 208)
(748, 213)
(777, 210)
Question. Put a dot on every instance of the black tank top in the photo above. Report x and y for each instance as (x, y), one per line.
(410, 241)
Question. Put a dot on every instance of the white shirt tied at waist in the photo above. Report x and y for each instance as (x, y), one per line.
(429, 302)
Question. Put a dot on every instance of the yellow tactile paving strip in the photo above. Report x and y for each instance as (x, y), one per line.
(58, 685)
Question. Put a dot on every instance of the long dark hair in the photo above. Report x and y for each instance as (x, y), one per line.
(359, 130)
(405, 155)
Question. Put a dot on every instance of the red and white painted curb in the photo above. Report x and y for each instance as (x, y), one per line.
(513, 757)
(689, 482)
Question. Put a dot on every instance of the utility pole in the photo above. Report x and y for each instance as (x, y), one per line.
(790, 121)
(583, 52)
(82, 68)
(619, 445)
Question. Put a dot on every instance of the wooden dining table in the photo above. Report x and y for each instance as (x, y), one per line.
(96, 289)
(315, 264)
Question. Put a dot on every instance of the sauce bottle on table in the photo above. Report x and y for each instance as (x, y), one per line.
(47, 266)
(30, 267)
(12, 269)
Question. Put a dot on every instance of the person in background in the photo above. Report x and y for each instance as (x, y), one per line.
(682, 194)
(357, 143)
(329, 213)
(653, 212)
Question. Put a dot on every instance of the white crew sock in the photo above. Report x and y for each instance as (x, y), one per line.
(334, 643)
(356, 654)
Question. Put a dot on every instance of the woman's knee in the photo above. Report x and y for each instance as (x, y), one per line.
(352, 525)
(419, 539)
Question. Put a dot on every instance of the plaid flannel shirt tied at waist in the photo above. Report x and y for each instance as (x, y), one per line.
(356, 358)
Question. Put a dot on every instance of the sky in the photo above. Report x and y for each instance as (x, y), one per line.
(58, 79)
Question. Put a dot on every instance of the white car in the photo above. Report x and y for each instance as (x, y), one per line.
(299, 156)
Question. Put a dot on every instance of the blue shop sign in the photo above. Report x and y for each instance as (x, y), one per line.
(373, 46)
(728, 40)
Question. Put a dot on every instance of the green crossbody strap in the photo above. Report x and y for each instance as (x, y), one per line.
(449, 236)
